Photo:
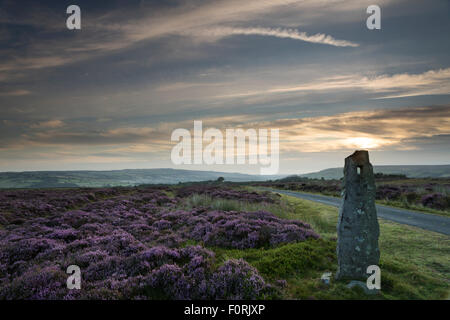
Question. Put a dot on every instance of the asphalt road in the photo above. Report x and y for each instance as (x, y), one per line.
(413, 218)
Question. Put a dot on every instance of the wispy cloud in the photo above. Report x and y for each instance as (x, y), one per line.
(428, 83)
(15, 93)
(51, 124)
(106, 33)
(404, 129)
(394, 129)
(377, 129)
(279, 33)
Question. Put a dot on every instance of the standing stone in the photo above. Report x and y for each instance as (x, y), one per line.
(358, 229)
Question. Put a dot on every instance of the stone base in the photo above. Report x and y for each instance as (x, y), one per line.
(355, 283)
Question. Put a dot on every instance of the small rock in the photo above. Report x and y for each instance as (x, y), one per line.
(326, 278)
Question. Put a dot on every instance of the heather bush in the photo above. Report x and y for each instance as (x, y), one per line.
(436, 200)
(225, 193)
(396, 190)
(237, 280)
(388, 192)
(132, 244)
(36, 284)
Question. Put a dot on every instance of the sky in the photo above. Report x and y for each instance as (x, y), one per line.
(110, 95)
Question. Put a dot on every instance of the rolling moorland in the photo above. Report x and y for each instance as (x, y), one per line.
(131, 177)
(198, 241)
(134, 177)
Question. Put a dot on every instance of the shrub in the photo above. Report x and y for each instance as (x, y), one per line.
(131, 246)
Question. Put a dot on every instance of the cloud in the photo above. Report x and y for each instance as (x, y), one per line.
(375, 130)
(294, 34)
(107, 33)
(15, 93)
(432, 143)
(56, 135)
(431, 82)
(51, 124)
(387, 129)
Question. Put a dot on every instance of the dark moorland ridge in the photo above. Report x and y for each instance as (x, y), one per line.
(132, 177)
(129, 177)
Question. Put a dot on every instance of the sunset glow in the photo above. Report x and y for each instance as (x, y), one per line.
(363, 142)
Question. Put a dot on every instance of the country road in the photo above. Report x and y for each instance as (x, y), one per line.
(421, 220)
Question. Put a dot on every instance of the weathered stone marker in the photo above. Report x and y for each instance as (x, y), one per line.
(357, 228)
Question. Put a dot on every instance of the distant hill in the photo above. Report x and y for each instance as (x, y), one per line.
(132, 177)
(423, 171)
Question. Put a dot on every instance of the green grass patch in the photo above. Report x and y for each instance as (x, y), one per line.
(202, 200)
(414, 262)
(302, 258)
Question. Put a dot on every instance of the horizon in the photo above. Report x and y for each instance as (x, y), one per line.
(109, 96)
(227, 172)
